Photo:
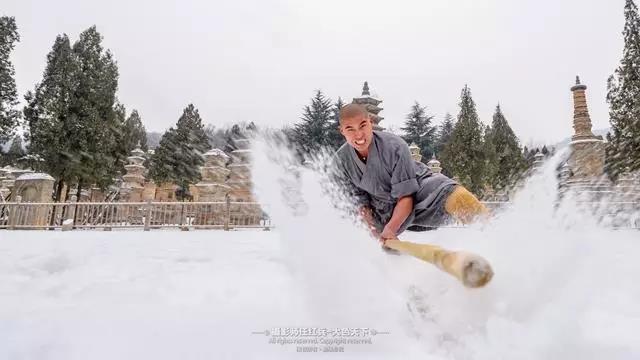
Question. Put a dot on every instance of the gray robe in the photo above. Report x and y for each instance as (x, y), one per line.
(389, 174)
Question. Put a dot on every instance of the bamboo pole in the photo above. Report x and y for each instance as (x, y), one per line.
(472, 270)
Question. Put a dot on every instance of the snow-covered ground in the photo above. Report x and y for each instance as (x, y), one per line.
(563, 287)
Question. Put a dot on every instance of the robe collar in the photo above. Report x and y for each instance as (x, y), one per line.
(372, 154)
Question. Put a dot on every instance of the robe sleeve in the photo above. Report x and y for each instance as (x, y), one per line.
(403, 175)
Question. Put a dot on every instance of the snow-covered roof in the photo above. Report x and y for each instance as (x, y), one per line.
(35, 176)
(217, 152)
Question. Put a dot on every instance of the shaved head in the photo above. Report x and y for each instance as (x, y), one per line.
(351, 111)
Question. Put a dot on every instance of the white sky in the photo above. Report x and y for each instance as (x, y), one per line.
(262, 60)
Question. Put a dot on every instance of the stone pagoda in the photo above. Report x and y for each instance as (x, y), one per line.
(371, 104)
(240, 172)
(538, 160)
(415, 152)
(587, 150)
(240, 184)
(434, 164)
(134, 182)
(212, 187)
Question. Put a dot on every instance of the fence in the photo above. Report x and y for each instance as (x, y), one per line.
(148, 215)
(208, 215)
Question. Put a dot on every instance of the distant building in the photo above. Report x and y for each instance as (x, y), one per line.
(371, 104)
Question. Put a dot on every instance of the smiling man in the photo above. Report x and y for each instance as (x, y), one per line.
(395, 192)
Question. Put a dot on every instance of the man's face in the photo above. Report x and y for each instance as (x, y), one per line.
(358, 132)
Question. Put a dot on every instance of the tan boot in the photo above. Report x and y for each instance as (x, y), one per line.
(464, 206)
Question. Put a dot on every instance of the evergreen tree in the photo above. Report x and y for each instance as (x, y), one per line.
(335, 137)
(623, 96)
(50, 122)
(505, 162)
(16, 151)
(92, 107)
(8, 93)
(463, 156)
(418, 130)
(491, 163)
(123, 147)
(312, 133)
(178, 158)
(545, 151)
(134, 133)
(444, 133)
(73, 125)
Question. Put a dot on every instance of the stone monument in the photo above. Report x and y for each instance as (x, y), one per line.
(34, 188)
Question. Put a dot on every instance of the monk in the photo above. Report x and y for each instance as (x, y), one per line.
(394, 192)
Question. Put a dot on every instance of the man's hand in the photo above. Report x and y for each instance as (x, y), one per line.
(388, 233)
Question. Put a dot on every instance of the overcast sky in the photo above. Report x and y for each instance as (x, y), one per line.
(262, 60)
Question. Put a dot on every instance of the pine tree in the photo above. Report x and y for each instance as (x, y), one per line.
(93, 108)
(123, 147)
(418, 130)
(71, 115)
(545, 151)
(50, 123)
(491, 162)
(623, 96)
(335, 137)
(505, 162)
(444, 133)
(134, 133)
(312, 133)
(463, 156)
(8, 92)
(178, 158)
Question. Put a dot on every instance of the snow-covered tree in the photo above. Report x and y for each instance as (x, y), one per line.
(8, 93)
(71, 117)
(179, 156)
(623, 96)
(335, 137)
(312, 133)
(134, 133)
(504, 158)
(444, 133)
(463, 156)
(50, 123)
(92, 107)
(418, 130)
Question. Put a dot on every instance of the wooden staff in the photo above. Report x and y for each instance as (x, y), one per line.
(472, 270)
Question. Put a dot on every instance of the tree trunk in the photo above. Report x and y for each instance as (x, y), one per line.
(75, 210)
(57, 195)
(59, 187)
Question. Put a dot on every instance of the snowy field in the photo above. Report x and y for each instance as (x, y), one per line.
(563, 287)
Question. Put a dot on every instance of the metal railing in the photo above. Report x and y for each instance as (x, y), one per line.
(147, 215)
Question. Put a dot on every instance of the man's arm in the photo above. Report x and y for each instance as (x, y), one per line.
(367, 218)
(401, 212)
